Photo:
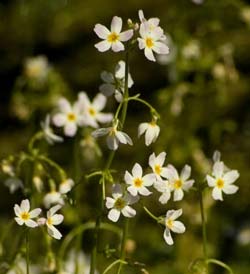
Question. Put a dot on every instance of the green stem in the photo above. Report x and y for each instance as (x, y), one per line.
(27, 251)
(32, 141)
(152, 109)
(113, 264)
(151, 214)
(214, 261)
(204, 231)
(124, 105)
(123, 245)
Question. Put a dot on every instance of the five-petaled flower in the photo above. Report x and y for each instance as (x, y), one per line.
(156, 163)
(112, 39)
(173, 225)
(120, 204)
(51, 221)
(151, 41)
(92, 111)
(114, 137)
(222, 180)
(151, 131)
(24, 215)
(179, 183)
(137, 182)
(69, 117)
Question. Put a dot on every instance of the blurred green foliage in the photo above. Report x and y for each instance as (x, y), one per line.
(202, 91)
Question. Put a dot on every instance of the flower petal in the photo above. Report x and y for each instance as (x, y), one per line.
(178, 194)
(112, 143)
(217, 194)
(25, 205)
(231, 176)
(144, 191)
(57, 219)
(149, 54)
(128, 211)
(211, 181)
(54, 232)
(178, 227)
(116, 24)
(142, 128)
(117, 46)
(167, 237)
(230, 189)
(70, 129)
(101, 31)
(99, 102)
(137, 170)
(103, 46)
(185, 173)
(107, 89)
(218, 169)
(30, 223)
(35, 212)
(126, 35)
(114, 215)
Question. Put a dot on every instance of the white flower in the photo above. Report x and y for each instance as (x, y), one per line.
(53, 197)
(24, 215)
(114, 84)
(114, 137)
(138, 183)
(52, 220)
(156, 163)
(66, 186)
(179, 183)
(92, 111)
(69, 117)
(173, 225)
(222, 180)
(49, 135)
(37, 67)
(112, 39)
(152, 132)
(13, 184)
(120, 204)
(151, 41)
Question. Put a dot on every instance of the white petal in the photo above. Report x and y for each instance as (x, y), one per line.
(144, 29)
(104, 117)
(17, 210)
(168, 237)
(116, 24)
(114, 215)
(137, 171)
(174, 214)
(149, 54)
(112, 143)
(230, 189)
(126, 35)
(107, 89)
(103, 46)
(178, 227)
(142, 128)
(164, 198)
(217, 194)
(120, 70)
(54, 232)
(141, 15)
(128, 178)
(70, 129)
(172, 173)
(148, 180)
(110, 202)
(185, 173)
(157, 33)
(124, 138)
(141, 43)
(160, 48)
(25, 205)
(118, 96)
(218, 169)
(128, 211)
(53, 210)
(101, 31)
(35, 212)
(161, 158)
(30, 223)
(178, 194)
(57, 219)
(64, 105)
(107, 77)
(144, 191)
(100, 132)
(188, 184)
(59, 119)
(99, 102)
(231, 176)
(19, 221)
(132, 190)
(152, 160)
(117, 46)
(211, 181)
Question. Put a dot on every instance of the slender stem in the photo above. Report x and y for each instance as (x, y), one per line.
(204, 231)
(36, 137)
(214, 261)
(123, 245)
(27, 251)
(151, 214)
(113, 264)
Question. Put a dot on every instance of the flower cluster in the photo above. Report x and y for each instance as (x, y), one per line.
(150, 36)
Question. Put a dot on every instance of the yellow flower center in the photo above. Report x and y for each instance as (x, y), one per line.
(92, 111)
(149, 42)
(220, 183)
(25, 216)
(120, 203)
(177, 184)
(158, 169)
(71, 116)
(169, 223)
(113, 37)
(49, 221)
(138, 182)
